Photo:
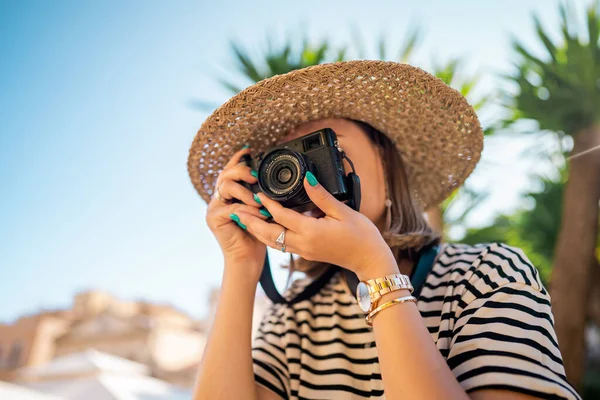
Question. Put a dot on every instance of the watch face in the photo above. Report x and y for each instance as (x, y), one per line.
(363, 297)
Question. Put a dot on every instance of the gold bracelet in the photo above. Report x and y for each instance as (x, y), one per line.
(371, 315)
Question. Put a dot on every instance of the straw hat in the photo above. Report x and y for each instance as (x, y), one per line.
(432, 125)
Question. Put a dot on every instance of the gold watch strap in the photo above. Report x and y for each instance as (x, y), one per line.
(389, 283)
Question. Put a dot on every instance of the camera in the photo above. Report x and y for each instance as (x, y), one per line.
(281, 170)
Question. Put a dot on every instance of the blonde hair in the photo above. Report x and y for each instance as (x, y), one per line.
(406, 230)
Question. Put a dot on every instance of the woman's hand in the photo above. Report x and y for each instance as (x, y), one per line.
(239, 248)
(343, 237)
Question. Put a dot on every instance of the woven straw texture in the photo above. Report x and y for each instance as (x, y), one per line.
(432, 125)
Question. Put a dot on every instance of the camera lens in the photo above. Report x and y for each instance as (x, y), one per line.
(284, 175)
(281, 173)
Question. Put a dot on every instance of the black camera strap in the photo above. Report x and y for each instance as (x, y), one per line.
(426, 259)
(268, 285)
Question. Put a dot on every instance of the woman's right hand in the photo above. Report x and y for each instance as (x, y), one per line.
(239, 247)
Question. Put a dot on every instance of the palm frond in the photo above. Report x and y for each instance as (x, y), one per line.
(381, 46)
(407, 48)
(447, 72)
(203, 105)
(321, 52)
(550, 47)
(479, 104)
(341, 54)
(467, 87)
(245, 64)
(230, 86)
(593, 25)
(564, 97)
(564, 22)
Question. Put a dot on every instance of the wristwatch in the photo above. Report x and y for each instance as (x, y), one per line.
(369, 292)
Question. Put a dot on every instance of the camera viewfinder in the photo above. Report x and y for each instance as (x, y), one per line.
(312, 142)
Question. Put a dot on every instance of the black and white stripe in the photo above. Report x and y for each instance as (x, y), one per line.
(484, 306)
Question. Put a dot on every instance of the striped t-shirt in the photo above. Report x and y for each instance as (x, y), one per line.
(484, 306)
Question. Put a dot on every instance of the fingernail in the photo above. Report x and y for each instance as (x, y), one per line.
(265, 213)
(254, 173)
(236, 219)
(256, 199)
(246, 146)
(311, 179)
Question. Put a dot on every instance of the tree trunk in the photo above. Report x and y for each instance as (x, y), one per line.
(575, 252)
(594, 300)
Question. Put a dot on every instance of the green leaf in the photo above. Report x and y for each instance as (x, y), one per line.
(490, 130)
(230, 86)
(248, 68)
(341, 55)
(381, 47)
(320, 53)
(467, 86)
(593, 23)
(479, 104)
(408, 46)
(203, 105)
(564, 96)
(564, 24)
(544, 38)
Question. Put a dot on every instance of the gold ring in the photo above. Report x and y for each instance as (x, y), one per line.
(219, 197)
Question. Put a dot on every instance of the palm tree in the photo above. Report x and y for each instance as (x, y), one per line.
(288, 58)
(274, 61)
(561, 91)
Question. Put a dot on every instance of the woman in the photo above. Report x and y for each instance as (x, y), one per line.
(482, 327)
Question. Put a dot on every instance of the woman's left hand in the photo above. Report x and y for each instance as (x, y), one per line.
(343, 237)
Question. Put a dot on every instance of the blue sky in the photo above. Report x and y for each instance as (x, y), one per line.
(95, 126)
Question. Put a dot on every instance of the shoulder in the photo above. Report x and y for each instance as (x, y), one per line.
(485, 267)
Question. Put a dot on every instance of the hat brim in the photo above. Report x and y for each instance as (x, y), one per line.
(432, 125)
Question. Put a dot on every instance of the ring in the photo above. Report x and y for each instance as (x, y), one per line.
(219, 197)
(280, 240)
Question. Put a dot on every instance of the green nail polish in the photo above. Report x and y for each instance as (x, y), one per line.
(235, 218)
(254, 173)
(246, 146)
(265, 213)
(256, 199)
(312, 181)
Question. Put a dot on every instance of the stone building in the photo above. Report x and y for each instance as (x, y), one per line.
(30, 340)
(165, 339)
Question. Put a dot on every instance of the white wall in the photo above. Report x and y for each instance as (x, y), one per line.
(174, 348)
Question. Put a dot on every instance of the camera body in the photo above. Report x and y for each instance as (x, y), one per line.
(281, 170)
